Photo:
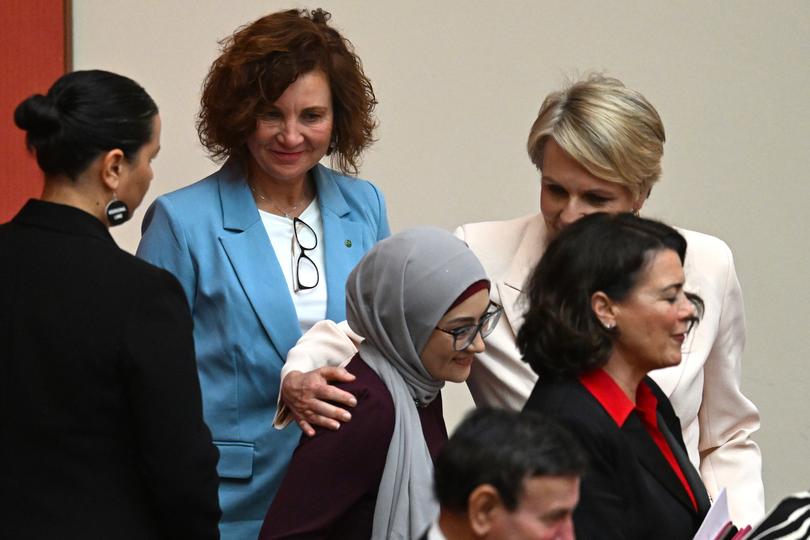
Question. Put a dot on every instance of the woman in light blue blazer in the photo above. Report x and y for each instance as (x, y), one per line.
(263, 246)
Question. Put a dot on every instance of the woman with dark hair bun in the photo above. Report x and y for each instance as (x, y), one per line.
(263, 246)
(100, 407)
(606, 306)
(84, 114)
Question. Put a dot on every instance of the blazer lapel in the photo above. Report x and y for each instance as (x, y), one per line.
(653, 460)
(514, 282)
(510, 299)
(695, 483)
(249, 250)
(343, 242)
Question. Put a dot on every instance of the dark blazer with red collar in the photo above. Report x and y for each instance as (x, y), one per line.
(629, 490)
(101, 427)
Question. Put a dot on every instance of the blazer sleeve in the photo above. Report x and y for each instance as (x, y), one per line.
(164, 244)
(331, 471)
(728, 456)
(325, 344)
(178, 457)
(383, 229)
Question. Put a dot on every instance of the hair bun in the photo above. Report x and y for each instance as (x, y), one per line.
(320, 16)
(37, 115)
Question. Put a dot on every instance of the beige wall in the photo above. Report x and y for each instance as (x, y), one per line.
(459, 83)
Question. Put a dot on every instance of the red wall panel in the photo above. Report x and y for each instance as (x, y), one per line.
(34, 52)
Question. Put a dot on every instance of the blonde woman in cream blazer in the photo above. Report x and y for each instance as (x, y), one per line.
(598, 146)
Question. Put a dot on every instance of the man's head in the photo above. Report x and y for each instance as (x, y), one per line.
(508, 476)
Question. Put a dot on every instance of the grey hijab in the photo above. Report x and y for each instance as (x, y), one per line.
(395, 297)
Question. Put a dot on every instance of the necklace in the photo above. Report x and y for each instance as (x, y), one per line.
(286, 214)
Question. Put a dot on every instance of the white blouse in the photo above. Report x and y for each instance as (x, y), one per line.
(310, 304)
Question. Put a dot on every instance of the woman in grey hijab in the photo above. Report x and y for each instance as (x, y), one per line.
(421, 299)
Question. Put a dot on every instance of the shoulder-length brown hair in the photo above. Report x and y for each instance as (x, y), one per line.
(561, 336)
(260, 60)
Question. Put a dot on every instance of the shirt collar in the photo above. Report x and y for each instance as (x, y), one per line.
(62, 218)
(647, 405)
(435, 531)
(613, 399)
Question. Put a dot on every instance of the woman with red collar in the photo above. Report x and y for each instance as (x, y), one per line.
(606, 307)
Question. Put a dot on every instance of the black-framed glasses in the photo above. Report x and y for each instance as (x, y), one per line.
(306, 271)
(463, 337)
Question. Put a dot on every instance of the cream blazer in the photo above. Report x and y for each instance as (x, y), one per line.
(716, 418)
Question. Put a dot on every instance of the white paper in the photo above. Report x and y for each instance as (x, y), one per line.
(716, 519)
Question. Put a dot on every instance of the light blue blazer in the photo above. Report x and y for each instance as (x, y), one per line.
(210, 236)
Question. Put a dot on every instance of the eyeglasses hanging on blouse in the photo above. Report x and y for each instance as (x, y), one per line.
(306, 272)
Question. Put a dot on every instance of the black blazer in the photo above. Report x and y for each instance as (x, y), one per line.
(101, 428)
(629, 490)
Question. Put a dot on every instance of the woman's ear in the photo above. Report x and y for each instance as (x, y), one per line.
(483, 505)
(112, 168)
(604, 308)
(641, 199)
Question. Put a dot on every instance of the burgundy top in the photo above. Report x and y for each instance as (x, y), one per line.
(618, 406)
(330, 488)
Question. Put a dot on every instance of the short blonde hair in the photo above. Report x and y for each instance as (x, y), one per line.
(612, 131)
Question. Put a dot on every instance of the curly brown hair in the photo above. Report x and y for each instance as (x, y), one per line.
(261, 59)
